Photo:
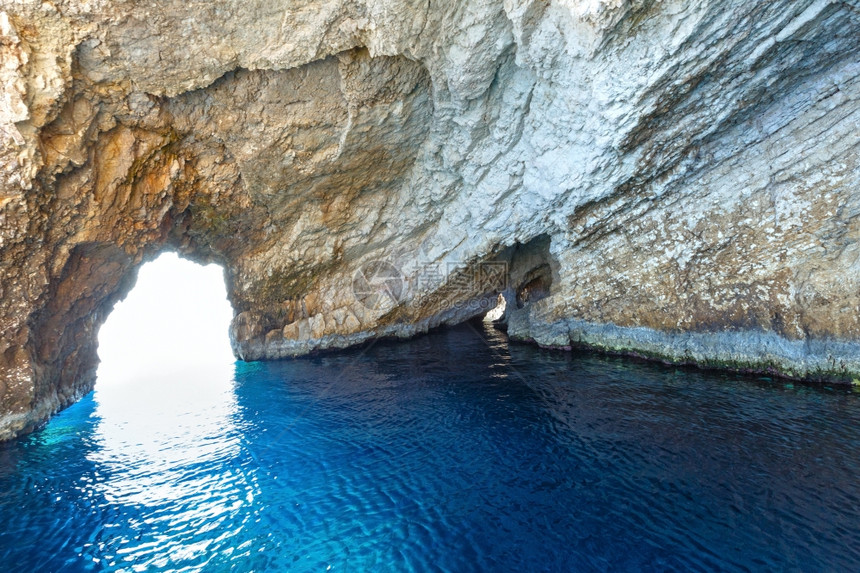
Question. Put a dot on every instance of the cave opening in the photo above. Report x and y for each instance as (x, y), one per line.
(174, 320)
(166, 382)
(531, 271)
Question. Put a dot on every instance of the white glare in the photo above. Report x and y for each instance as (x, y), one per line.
(175, 319)
(166, 406)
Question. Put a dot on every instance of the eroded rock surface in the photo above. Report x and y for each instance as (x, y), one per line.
(676, 179)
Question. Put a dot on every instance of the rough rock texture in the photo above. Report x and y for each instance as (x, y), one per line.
(677, 179)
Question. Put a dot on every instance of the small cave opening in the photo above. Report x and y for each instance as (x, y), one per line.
(497, 313)
(530, 277)
(176, 318)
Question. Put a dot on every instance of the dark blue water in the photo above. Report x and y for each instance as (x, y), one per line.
(452, 452)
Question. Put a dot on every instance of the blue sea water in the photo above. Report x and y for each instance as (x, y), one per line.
(456, 451)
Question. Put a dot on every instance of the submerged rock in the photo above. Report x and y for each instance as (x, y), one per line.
(672, 179)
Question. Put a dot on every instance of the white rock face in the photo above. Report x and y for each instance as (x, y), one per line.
(675, 179)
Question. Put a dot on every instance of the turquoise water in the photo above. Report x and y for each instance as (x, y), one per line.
(451, 452)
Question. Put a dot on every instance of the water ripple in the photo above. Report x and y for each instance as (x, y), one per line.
(453, 452)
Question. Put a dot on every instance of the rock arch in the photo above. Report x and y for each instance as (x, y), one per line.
(693, 167)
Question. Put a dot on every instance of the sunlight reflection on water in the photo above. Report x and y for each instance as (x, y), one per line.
(165, 408)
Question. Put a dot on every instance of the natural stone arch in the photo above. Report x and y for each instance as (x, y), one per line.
(694, 167)
(254, 165)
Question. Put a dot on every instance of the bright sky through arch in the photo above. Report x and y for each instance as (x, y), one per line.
(176, 318)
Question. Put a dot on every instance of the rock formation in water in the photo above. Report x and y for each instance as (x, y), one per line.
(677, 179)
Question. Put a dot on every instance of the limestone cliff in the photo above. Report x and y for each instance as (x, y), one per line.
(677, 179)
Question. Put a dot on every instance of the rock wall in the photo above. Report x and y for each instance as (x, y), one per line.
(675, 179)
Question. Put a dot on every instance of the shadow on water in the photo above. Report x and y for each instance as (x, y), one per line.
(456, 451)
